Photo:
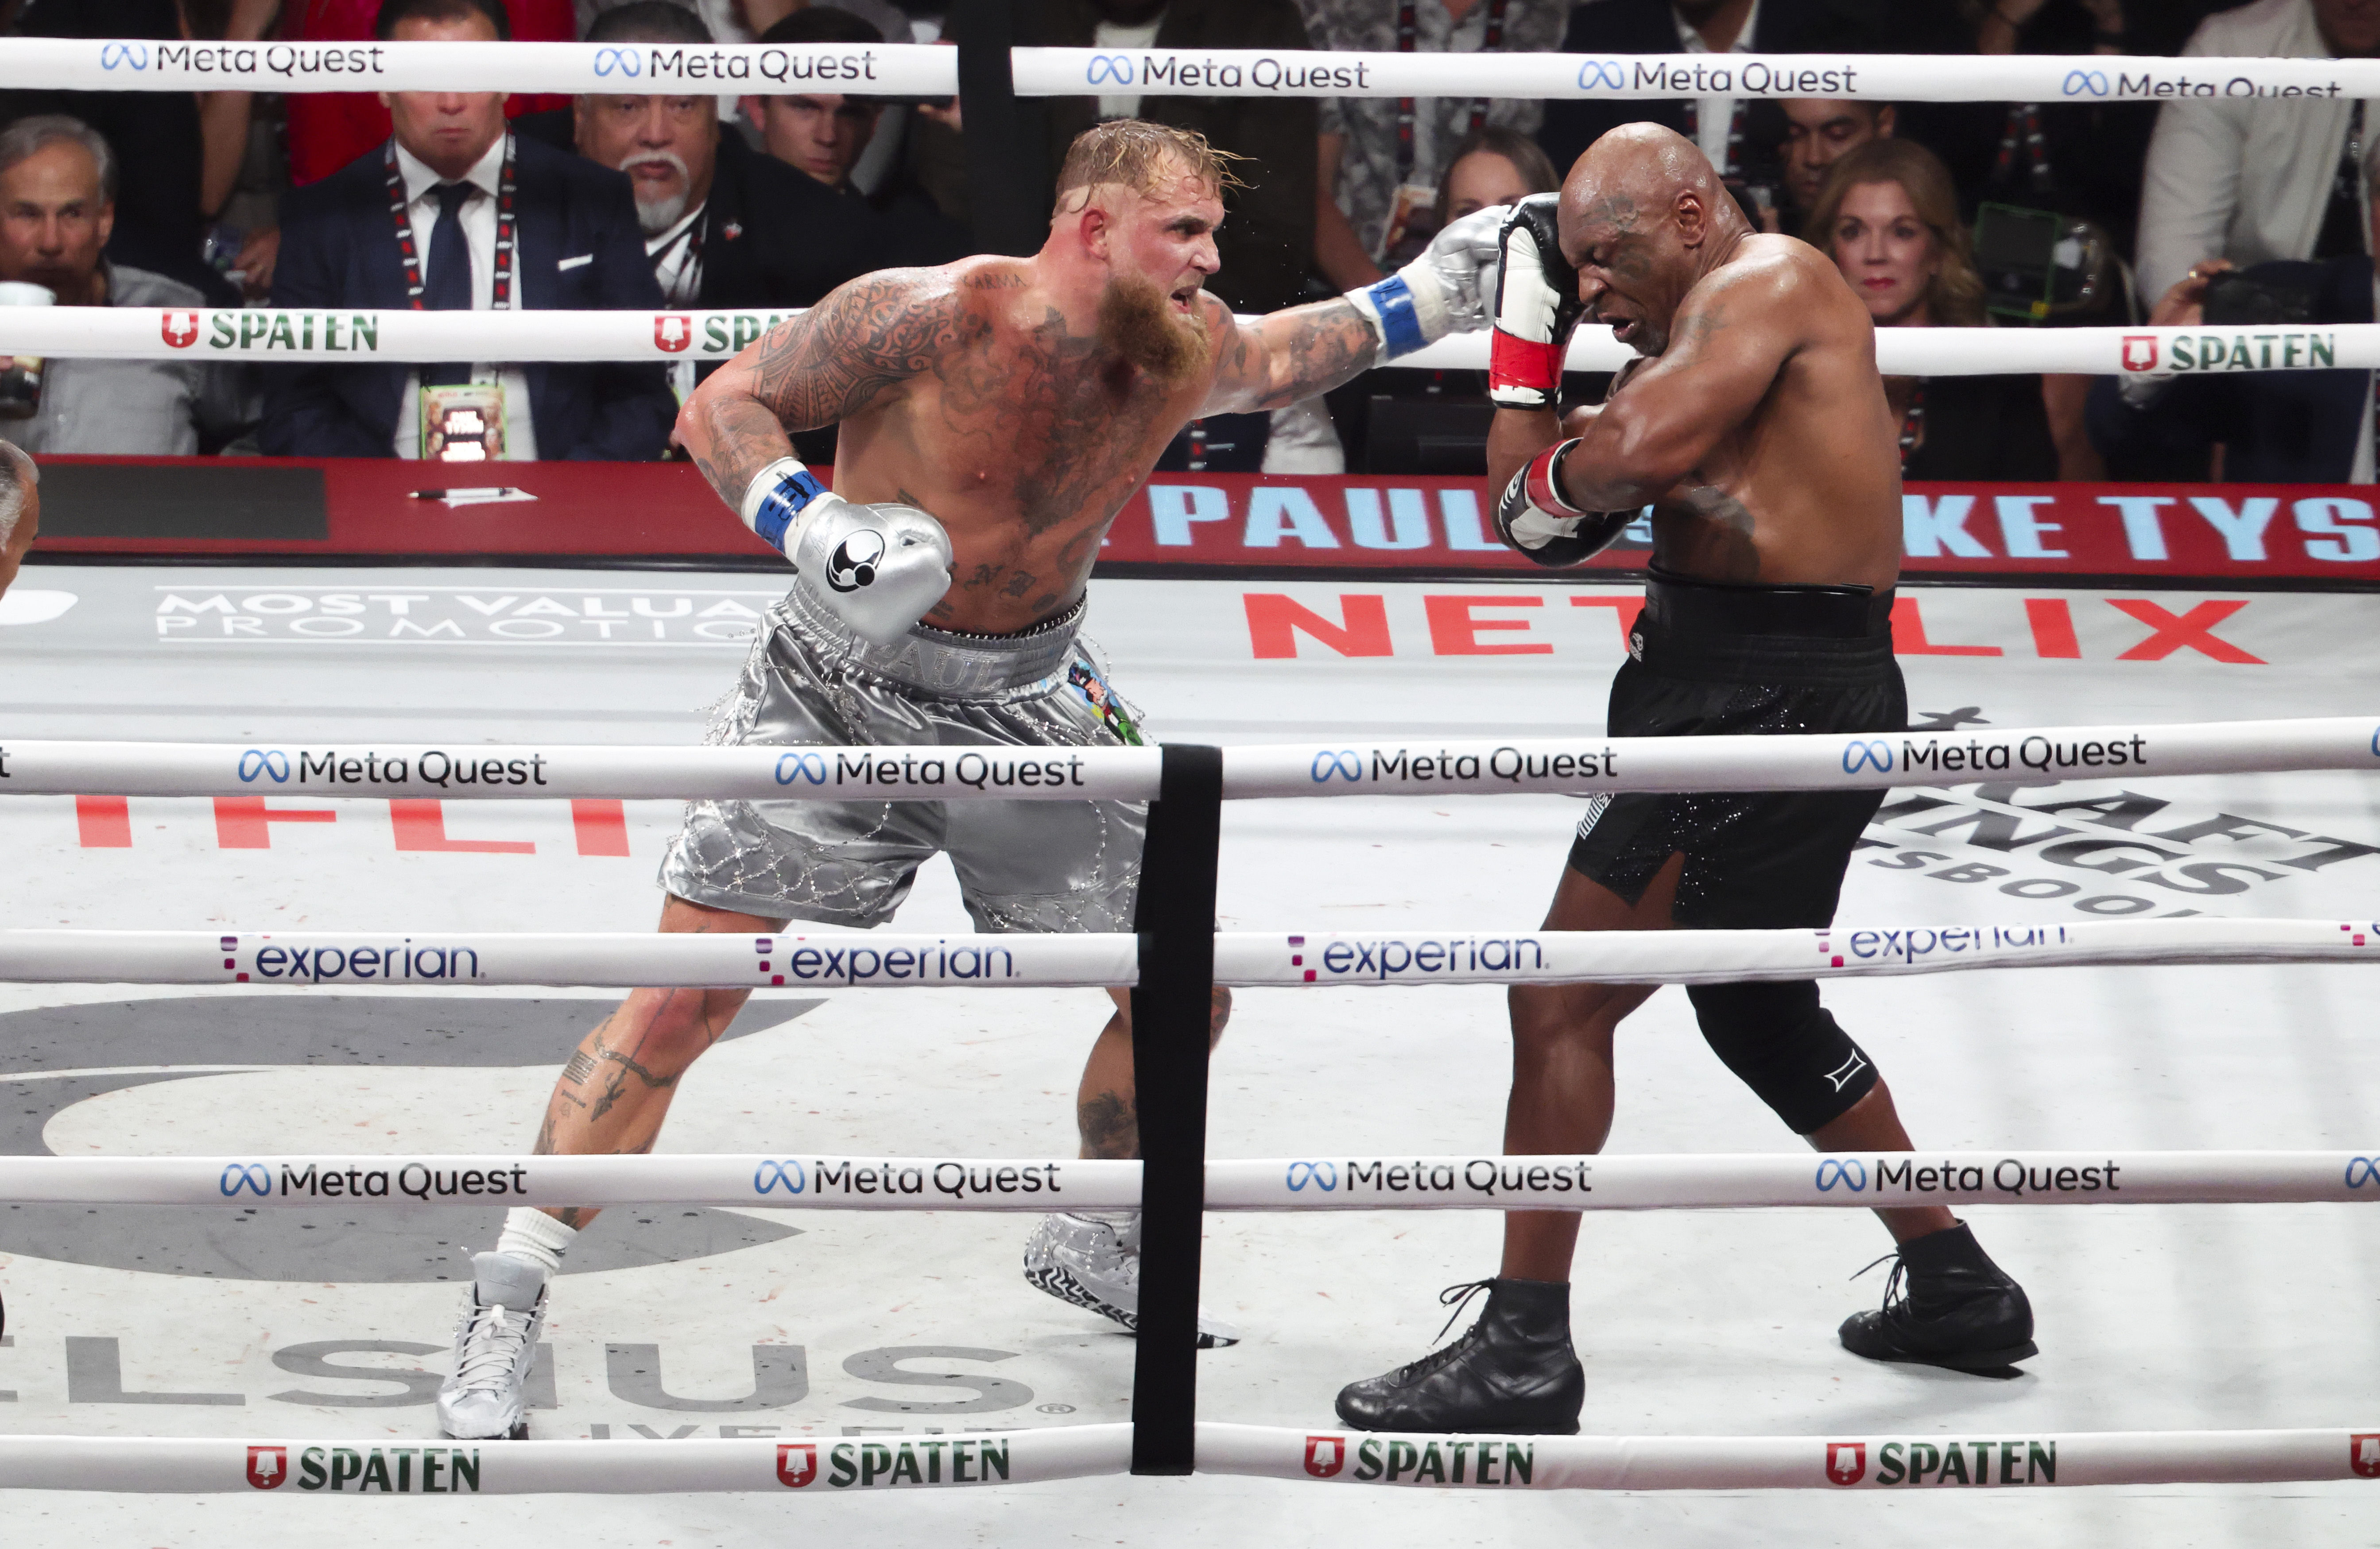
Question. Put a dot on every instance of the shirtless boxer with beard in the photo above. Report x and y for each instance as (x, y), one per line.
(996, 413)
(1754, 424)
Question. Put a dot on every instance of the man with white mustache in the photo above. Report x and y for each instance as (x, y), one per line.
(725, 227)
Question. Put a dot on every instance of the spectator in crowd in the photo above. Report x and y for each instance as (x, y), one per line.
(1741, 136)
(1888, 216)
(57, 206)
(828, 137)
(725, 226)
(1493, 166)
(188, 144)
(1380, 160)
(568, 240)
(20, 510)
(1265, 242)
(1818, 132)
(330, 130)
(2251, 427)
(2251, 179)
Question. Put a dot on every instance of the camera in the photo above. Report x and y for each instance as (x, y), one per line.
(2235, 301)
(2038, 266)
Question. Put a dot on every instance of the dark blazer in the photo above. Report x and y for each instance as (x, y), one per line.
(1267, 240)
(2276, 427)
(1985, 427)
(772, 236)
(338, 250)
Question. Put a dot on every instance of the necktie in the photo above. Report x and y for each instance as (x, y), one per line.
(2344, 229)
(447, 287)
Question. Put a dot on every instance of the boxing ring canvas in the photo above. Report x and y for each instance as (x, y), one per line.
(822, 1326)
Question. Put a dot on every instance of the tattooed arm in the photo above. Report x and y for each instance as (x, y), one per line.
(1735, 333)
(848, 354)
(1290, 356)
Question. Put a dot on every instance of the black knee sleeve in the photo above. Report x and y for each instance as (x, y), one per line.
(1784, 1046)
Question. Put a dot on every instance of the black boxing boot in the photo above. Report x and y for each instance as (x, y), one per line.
(1513, 1374)
(1960, 1310)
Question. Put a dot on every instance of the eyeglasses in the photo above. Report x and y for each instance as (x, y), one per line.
(623, 111)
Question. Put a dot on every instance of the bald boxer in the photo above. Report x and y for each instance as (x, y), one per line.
(996, 414)
(1754, 424)
(20, 509)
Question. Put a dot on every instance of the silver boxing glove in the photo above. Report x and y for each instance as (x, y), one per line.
(1451, 288)
(880, 566)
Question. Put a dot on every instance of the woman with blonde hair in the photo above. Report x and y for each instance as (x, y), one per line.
(1888, 217)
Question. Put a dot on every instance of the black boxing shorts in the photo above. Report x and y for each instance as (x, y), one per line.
(1707, 660)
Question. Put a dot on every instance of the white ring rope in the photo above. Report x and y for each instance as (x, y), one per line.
(1247, 960)
(789, 1181)
(1580, 765)
(342, 335)
(1996, 1459)
(2016, 1459)
(188, 1466)
(907, 69)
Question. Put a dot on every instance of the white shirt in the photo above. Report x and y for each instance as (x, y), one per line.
(479, 221)
(1108, 34)
(2246, 179)
(677, 265)
(1714, 115)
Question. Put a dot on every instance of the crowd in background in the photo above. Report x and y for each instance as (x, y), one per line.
(2254, 212)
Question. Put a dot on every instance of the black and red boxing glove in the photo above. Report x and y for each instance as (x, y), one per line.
(1536, 308)
(1536, 518)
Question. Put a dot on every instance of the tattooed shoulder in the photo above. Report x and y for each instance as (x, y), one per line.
(865, 337)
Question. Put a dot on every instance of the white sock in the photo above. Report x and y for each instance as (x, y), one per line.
(537, 1237)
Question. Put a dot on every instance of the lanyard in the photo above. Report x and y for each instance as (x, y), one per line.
(2023, 128)
(1408, 34)
(501, 295)
(1912, 424)
(1734, 161)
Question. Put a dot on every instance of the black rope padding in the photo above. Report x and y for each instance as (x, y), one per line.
(1175, 919)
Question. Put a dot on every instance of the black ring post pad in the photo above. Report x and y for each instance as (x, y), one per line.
(1175, 919)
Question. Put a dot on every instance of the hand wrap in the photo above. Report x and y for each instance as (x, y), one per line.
(1535, 519)
(880, 567)
(1440, 293)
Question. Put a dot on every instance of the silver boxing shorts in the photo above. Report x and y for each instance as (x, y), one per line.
(1042, 866)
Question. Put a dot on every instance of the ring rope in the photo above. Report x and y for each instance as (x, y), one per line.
(342, 335)
(1243, 960)
(906, 69)
(2003, 1459)
(1579, 765)
(1789, 1180)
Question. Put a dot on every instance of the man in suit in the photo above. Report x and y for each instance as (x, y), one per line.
(725, 226)
(575, 245)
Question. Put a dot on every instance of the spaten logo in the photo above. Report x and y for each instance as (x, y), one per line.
(1325, 1456)
(789, 1176)
(267, 1467)
(252, 1177)
(1596, 74)
(1846, 1462)
(672, 333)
(796, 1463)
(1859, 755)
(178, 329)
(1322, 1175)
(1344, 763)
(1851, 1175)
(1113, 67)
(265, 761)
(619, 61)
(2139, 352)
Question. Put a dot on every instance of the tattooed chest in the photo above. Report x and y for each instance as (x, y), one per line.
(1063, 438)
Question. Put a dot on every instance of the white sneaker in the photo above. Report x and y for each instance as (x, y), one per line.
(1094, 1261)
(493, 1345)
